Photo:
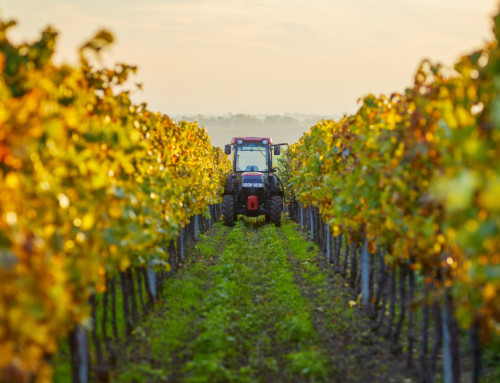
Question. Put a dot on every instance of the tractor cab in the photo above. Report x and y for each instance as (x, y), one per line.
(253, 188)
(252, 154)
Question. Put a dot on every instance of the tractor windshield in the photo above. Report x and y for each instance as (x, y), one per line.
(251, 158)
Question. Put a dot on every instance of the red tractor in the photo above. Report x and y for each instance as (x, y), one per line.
(253, 188)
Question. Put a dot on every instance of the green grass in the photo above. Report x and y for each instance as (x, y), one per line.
(239, 338)
(62, 363)
(235, 315)
(164, 333)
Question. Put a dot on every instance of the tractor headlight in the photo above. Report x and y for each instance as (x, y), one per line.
(265, 142)
(239, 142)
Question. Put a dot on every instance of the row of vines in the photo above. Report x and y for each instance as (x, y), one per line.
(90, 184)
(416, 177)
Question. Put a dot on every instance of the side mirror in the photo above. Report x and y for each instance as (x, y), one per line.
(277, 150)
(227, 149)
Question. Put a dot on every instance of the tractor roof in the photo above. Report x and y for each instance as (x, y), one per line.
(253, 174)
(252, 139)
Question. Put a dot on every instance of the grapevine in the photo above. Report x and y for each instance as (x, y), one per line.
(89, 182)
(418, 175)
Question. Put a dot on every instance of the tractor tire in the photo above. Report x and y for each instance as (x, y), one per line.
(276, 207)
(228, 210)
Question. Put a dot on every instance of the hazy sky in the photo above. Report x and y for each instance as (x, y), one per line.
(256, 56)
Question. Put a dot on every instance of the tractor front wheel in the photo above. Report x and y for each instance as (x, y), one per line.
(228, 210)
(276, 207)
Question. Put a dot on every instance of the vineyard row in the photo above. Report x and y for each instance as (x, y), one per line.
(415, 179)
(91, 186)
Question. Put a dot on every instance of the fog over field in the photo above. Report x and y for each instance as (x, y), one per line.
(281, 127)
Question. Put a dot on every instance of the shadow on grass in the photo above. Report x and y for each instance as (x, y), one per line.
(253, 222)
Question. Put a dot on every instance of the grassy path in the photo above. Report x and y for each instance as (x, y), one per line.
(254, 305)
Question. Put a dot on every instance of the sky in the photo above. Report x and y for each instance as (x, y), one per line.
(263, 56)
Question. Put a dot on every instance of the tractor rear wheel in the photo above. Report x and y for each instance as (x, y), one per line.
(276, 207)
(228, 210)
